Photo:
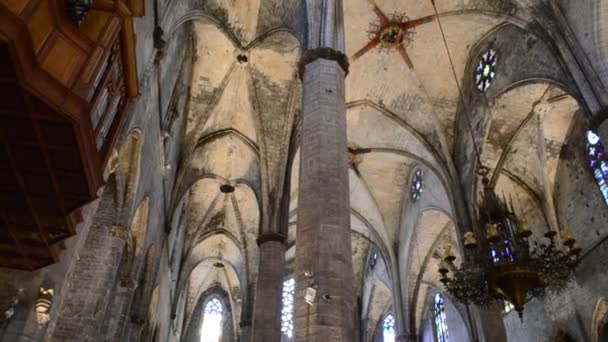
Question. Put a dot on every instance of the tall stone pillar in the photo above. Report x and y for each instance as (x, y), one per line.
(489, 325)
(269, 289)
(323, 242)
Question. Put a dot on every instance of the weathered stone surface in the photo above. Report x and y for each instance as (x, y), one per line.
(323, 237)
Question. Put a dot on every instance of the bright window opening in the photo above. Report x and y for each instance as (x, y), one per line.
(597, 162)
(388, 329)
(486, 70)
(441, 326)
(289, 290)
(416, 187)
(212, 321)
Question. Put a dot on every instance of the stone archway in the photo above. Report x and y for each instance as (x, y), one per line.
(599, 321)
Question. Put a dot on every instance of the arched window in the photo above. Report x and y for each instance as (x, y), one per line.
(441, 326)
(597, 162)
(212, 321)
(388, 329)
(289, 289)
(373, 260)
(416, 187)
(486, 70)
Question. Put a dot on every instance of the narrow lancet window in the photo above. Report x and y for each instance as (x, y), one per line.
(441, 326)
(373, 260)
(597, 162)
(388, 329)
(416, 187)
(212, 321)
(289, 288)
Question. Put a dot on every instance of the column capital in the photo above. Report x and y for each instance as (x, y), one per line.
(270, 236)
(312, 55)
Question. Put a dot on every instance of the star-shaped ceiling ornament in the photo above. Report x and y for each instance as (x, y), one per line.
(391, 33)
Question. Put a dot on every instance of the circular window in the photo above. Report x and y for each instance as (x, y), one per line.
(486, 70)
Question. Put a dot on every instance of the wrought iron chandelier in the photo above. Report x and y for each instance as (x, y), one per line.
(506, 264)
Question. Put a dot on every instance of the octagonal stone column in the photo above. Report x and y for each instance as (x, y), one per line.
(323, 243)
(269, 289)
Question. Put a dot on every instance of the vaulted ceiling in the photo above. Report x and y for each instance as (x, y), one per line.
(245, 98)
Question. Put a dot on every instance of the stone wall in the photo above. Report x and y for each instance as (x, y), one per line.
(581, 207)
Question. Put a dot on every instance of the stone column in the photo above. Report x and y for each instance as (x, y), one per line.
(269, 289)
(489, 325)
(323, 243)
(245, 327)
(398, 308)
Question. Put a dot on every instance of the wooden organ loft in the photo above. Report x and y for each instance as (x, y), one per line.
(67, 77)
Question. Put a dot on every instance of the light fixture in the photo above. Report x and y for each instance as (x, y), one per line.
(504, 264)
(310, 295)
(507, 265)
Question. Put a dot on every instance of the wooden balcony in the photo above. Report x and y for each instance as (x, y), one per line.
(65, 87)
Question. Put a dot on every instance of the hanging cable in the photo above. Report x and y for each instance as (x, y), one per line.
(481, 167)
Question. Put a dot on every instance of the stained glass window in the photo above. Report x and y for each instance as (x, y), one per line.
(597, 162)
(388, 329)
(373, 260)
(289, 288)
(441, 326)
(502, 251)
(486, 70)
(416, 187)
(212, 321)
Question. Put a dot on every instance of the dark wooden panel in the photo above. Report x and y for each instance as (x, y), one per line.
(42, 179)
(51, 73)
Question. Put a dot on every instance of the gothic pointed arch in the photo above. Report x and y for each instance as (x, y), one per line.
(129, 167)
(139, 227)
(599, 321)
(135, 237)
(145, 283)
(213, 304)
